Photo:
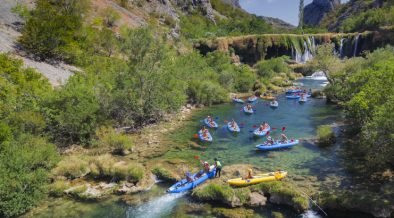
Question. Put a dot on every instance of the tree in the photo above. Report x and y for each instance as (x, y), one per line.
(326, 61)
(301, 15)
(51, 29)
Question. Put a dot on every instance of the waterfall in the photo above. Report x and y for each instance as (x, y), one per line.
(341, 48)
(319, 75)
(307, 51)
(356, 45)
(310, 214)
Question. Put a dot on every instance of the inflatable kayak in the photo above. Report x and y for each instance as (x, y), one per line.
(266, 177)
(259, 133)
(208, 139)
(274, 104)
(291, 91)
(277, 145)
(252, 99)
(238, 100)
(183, 185)
(233, 129)
(292, 96)
(209, 124)
(245, 109)
(267, 97)
(302, 100)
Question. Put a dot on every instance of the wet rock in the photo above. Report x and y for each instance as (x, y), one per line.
(256, 199)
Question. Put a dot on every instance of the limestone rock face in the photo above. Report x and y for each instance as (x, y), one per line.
(234, 3)
(257, 199)
(315, 11)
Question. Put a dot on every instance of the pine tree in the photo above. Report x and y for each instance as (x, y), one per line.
(301, 15)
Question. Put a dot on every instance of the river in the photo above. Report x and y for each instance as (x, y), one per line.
(307, 164)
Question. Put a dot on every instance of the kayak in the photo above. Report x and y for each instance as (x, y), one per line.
(266, 177)
(267, 97)
(232, 129)
(302, 100)
(291, 91)
(211, 125)
(277, 145)
(292, 96)
(252, 99)
(209, 139)
(183, 185)
(257, 131)
(245, 109)
(238, 100)
(274, 104)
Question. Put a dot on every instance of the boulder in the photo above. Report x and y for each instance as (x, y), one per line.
(256, 199)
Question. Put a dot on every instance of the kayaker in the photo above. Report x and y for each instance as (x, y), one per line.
(206, 166)
(199, 174)
(249, 107)
(262, 126)
(188, 177)
(233, 123)
(270, 141)
(250, 174)
(283, 137)
(218, 167)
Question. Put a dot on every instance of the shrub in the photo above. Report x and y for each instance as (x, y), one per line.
(268, 68)
(325, 135)
(57, 188)
(108, 137)
(72, 167)
(163, 174)
(101, 166)
(214, 192)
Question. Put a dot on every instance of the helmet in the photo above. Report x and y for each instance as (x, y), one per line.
(205, 162)
(249, 170)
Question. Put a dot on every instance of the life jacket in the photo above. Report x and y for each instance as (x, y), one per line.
(218, 164)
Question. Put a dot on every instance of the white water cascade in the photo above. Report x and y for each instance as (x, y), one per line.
(356, 45)
(158, 207)
(341, 48)
(310, 214)
(309, 50)
(319, 75)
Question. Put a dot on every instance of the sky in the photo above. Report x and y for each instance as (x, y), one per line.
(286, 10)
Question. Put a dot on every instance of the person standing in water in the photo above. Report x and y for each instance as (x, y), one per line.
(218, 167)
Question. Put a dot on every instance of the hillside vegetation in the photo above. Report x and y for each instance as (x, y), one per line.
(360, 15)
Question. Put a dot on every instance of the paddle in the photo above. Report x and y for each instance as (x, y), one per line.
(196, 157)
(195, 136)
(283, 129)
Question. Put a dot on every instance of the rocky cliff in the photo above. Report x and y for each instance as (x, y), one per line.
(315, 11)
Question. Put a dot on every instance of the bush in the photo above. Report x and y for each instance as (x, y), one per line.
(72, 167)
(214, 192)
(163, 174)
(325, 135)
(108, 137)
(57, 188)
(105, 166)
(268, 68)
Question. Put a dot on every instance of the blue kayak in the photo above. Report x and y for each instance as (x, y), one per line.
(292, 96)
(291, 91)
(252, 99)
(233, 129)
(245, 109)
(183, 185)
(277, 145)
(209, 124)
(238, 100)
(257, 131)
(209, 139)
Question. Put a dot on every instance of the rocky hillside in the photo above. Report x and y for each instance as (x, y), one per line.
(315, 11)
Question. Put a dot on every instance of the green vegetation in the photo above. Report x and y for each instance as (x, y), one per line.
(25, 155)
(365, 16)
(163, 174)
(72, 167)
(236, 22)
(214, 192)
(325, 135)
(108, 137)
(363, 87)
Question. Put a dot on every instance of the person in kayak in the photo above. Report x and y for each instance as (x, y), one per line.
(188, 177)
(204, 132)
(250, 175)
(206, 166)
(283, 138)
(270, 141)
(218, 167)
(232, 124)
(199, 174)
(249, 107)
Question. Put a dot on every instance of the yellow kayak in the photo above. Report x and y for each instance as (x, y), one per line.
(267, 97)
(266, 177)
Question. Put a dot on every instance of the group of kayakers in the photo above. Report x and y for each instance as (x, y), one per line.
(271, 141)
